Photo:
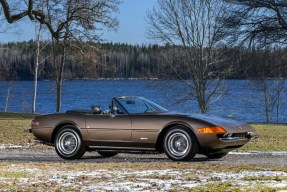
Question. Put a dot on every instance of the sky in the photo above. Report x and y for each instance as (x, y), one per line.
(132, 27)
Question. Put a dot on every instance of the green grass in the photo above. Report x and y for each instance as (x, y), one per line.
(272, 138)
(265, 178)
(14, 174)
(224, 187)
(14, 131)
(11, 115)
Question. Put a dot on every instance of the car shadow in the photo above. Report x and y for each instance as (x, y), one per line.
(142, 158)
(92, 157)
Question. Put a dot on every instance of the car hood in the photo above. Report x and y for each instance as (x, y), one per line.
(229, 125)
(217, 120)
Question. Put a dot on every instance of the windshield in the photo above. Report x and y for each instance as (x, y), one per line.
(136, 105)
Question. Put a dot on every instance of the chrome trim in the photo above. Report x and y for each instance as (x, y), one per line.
(120, 148)
(68, 143)
(178, 144)
(125, 150)
(226, 139)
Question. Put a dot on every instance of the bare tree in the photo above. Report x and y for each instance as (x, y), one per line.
(77, 23)
(37, 62)
(192, 27)
(67, 21)
(10, 86)
(256, 21)
(272, 96)
(263, 24)
(36, 67)
(272, 89)
(280, 89)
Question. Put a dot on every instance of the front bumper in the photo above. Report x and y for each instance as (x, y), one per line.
(229, 137)
(223, 143)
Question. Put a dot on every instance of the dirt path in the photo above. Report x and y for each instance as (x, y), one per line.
(247, 158)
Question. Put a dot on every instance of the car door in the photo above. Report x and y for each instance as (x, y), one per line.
(145, 129)
(109, 129)
(145, 126)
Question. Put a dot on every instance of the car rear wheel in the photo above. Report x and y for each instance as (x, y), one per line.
(107, 153)
(69, 143)
(215, 155)
(180, 144)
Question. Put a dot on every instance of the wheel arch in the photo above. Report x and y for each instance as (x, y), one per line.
(166, 128)
(60, 125)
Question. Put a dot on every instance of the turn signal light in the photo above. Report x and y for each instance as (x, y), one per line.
(207, 130)
(35, 123)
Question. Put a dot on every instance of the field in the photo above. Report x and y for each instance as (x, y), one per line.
(170, 176)
(14, 127)
(129, 176)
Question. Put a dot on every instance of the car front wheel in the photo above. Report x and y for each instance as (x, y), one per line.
(69, 143)
(180, 144)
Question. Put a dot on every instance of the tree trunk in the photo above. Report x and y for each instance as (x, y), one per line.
(60, 80)
(36, 67)
(7, 99)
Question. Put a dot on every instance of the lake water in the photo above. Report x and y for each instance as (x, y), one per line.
(242, 101)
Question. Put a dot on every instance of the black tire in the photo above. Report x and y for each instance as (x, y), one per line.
(69, 143)
(107, 153)
(215, 155)
(180, 144)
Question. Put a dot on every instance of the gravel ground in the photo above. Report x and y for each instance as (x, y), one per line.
(246, 158)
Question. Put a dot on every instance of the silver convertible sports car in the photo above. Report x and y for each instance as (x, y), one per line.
(135, 124)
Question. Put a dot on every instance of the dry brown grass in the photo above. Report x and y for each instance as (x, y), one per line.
(38, 176)
(272, 138)
(13, 130)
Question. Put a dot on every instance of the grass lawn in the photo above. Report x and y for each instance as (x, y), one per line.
(13, 130)
(272, 138)
(11, 115)
(172, 176)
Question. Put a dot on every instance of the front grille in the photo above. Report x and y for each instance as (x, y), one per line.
(233, 136)
(240, 135)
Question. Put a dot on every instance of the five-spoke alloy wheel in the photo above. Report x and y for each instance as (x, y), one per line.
(69, 143)
(180, 144)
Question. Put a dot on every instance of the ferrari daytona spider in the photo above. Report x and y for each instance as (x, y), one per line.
(135, 124)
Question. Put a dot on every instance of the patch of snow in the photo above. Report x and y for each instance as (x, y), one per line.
(275, 153)
(146, 180)
(10, 146)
